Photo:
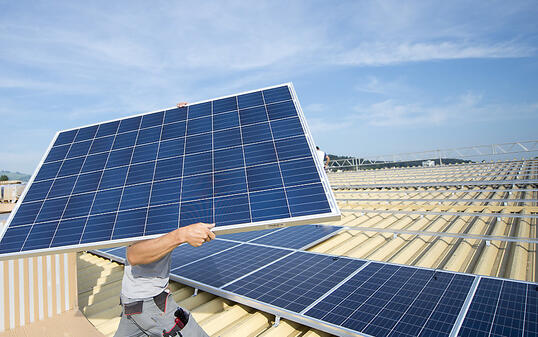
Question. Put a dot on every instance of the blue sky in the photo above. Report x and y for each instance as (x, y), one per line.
(372, 77)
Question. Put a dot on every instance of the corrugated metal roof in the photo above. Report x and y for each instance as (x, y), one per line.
(100, 280)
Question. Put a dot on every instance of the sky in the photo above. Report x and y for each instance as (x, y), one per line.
(372, 77)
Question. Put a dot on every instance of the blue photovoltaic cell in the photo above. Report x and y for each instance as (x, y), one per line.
(175, 115)
(117, 252)
(305, 199)
(296, 281)
(145, 153)
(250, 100)
(297, 237)
(235, 160)
(225, 104)
(389, 300)
(182, 255)
(107, 129)
(502, 308)
(253, 115)
(186, 253)
(217, 270)
(162, 219)
(225, 120)
(247, 236)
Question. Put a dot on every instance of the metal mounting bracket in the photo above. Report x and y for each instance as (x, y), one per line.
(277, 321)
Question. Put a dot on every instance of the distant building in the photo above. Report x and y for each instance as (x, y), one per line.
(428, 163)
(11, 190)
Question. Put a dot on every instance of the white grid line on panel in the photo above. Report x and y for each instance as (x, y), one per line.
(182, 166)
(123, 187)
(310, 140)
(154, 169)
(437, 304)
(413, 302)
(244, 159)
(70, 195)
(41, 207)
(185, 136)
(213, 211)
(284, 188)
(191, 175)
(97, 191)
(166, 204)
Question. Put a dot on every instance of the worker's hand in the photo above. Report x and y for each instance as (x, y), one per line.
(196, 234)
(182, 104)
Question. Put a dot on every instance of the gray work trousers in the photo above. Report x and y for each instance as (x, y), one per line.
(152, 321)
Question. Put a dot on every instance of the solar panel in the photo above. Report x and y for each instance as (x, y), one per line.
(247, 236)
(389, 300)
(296, 281)
(298, 237)
(502, 308)
(241, 161)
(217, 270)
(186, 254)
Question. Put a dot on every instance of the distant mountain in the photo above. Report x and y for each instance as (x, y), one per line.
(15, 175)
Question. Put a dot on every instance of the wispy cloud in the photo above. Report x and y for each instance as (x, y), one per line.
(65, 64)
(387, 53)
(385, 87)
(467, 108)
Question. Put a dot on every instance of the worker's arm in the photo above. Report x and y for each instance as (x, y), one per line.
(327, 160)
(147, 251)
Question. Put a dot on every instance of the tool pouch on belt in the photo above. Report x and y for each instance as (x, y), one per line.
(160, 300)
(133, 308)
(181, 319)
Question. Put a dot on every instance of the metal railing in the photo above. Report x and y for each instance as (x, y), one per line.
(479, 152)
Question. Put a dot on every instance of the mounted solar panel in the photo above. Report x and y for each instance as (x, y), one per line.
(351, 297)
(296, 281)
(390, 300)
(502, 308)
(243, 162)
(296, 237)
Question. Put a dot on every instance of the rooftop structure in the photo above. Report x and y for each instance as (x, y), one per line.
(473, 218)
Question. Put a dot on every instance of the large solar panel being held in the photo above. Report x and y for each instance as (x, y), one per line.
(242, 161)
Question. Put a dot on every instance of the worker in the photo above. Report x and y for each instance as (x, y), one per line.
(148, 308)
(323, 157)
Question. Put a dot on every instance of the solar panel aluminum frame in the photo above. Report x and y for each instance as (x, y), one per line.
(334, 215)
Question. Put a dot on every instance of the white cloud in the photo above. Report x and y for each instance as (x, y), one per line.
(314, 108)
(467, 108)
(376, 85)
(325, 125)
(386, 53)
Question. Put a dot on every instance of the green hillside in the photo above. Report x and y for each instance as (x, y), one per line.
(15, 175)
